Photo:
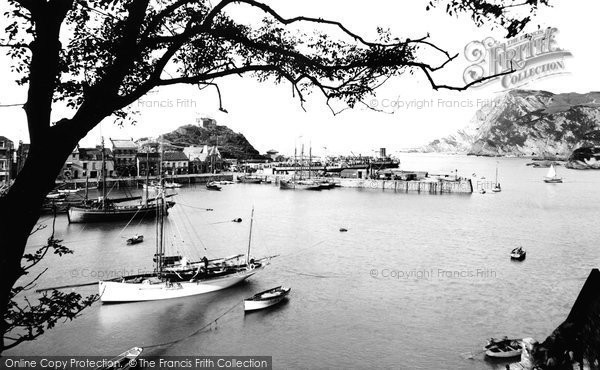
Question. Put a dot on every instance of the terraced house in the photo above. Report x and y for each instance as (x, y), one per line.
(6, 160)
(124, 155)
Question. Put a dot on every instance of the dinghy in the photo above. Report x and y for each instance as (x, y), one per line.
(503, 348)
(552, 177)
(213, 186)
(266, 298)
(135, 239)
(518, 254)
(125, 360)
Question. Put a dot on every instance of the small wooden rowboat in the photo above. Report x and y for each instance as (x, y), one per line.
(135, 240)
(503, 348)
(518, 254)
(125, 360)
(213, 186)
(266, 299)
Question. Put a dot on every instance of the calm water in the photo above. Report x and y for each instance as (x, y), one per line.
(339, 315)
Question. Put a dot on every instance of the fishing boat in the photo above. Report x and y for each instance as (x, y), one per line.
(518, 254)
(175, 277)
(213, 186)
(552, 177)
(300, 183)
(125, 360)
(343, 229)
(482, 191)
(135, 239)
(104, 209)
(266, 298)
(503, 348)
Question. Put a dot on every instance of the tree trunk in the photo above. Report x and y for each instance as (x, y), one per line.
(20, 208)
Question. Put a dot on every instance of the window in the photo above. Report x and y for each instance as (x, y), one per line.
(2, 144)
(85, 165)
(2, 164)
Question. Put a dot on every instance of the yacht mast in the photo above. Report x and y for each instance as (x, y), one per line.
(249, 240)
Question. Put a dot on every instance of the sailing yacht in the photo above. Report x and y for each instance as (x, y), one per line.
(496, 188)
(175, 277)
(552, 177)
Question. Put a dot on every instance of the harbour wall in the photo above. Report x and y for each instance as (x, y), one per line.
(430, 187)
(464, 186)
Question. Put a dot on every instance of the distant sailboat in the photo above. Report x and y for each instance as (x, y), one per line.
(551, 176)
(496, 188)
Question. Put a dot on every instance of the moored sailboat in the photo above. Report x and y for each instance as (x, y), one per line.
(106, 210)
(552, 177)
(174, 277)
(496, 188)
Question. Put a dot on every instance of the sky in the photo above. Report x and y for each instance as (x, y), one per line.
(271, 118)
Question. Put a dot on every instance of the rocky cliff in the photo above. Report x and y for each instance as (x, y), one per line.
(528, 123)
(231, 144)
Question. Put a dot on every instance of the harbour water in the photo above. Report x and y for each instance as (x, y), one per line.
(419, 280)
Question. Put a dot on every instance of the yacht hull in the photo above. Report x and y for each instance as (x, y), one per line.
(115, 292)
(82, 214)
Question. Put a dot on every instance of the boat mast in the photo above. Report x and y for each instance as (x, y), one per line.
(86, 188)
(309, 159)
(103, 176)
(160, 216)
(295, 161)
(496, 173)
(147, 172)
(249, 239)
(302, 162)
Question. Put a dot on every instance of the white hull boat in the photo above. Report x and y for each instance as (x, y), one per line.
(146, 290)
(266, 299)
(552, 177)
(172, 185)
(125, 360)
(505, 348)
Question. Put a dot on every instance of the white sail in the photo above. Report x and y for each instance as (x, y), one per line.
(551, 172)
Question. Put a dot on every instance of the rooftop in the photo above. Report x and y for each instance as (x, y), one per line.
(4, 138)
(174, 156)
(123, 144)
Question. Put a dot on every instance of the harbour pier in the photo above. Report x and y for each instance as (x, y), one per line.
(135, 181)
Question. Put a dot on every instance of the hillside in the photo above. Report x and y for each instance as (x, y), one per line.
(231, 144)
(528, 123)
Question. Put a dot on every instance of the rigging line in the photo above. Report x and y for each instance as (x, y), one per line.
(198, 331)
(305, 249)
(132, 218)
(200, 208)
(194, 231)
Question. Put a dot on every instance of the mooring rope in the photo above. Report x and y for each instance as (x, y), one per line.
(196, 332)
